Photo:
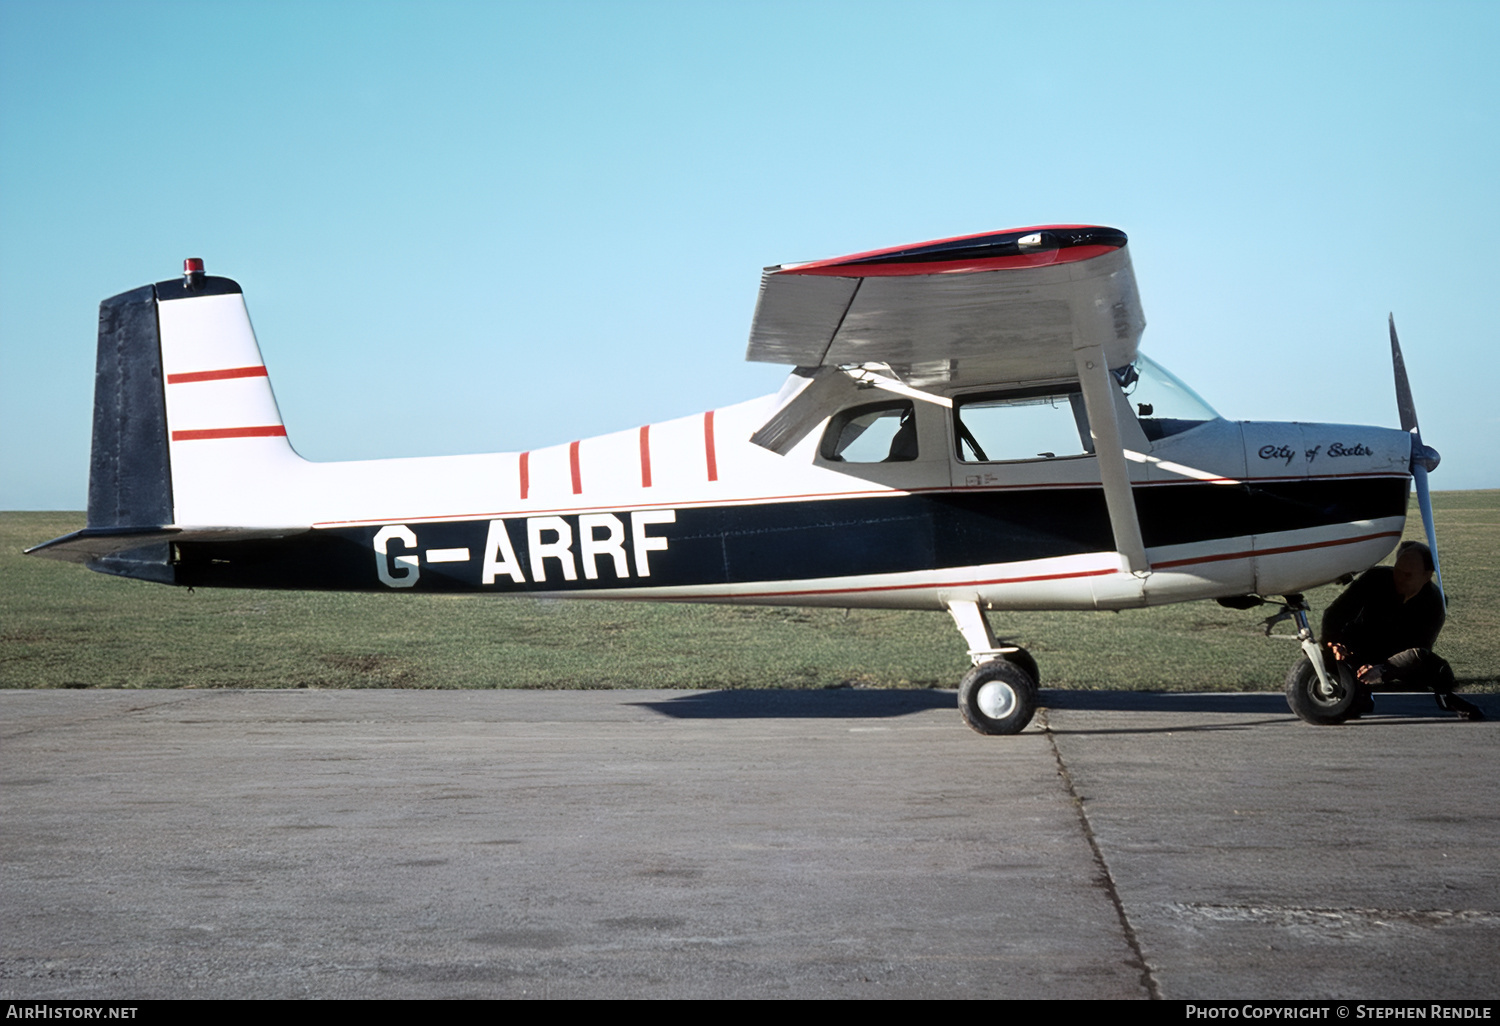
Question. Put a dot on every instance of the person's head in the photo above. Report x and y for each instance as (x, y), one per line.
(1414, 568)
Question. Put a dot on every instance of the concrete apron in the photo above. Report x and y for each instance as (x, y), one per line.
(739, 844)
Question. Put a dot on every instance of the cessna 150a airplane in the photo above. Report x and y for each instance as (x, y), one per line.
(968, 425)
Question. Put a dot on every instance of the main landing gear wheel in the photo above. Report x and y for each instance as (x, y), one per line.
(1304, 692)
(1023, 659)
(997, 697)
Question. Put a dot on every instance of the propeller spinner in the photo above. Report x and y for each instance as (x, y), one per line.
(1423, 458)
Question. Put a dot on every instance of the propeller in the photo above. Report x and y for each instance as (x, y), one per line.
(1423, 458)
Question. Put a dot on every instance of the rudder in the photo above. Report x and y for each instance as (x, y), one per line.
(130, 474)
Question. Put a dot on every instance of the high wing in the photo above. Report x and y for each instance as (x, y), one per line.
(1029, 304)
(1001, 306)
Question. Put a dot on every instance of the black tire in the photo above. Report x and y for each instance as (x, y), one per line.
(1302, 692)
(1022, 658)
(997, 697)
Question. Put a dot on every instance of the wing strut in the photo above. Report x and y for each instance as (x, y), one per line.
(1098, 397)
(827, 390)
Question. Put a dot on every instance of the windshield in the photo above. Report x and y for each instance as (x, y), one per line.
(1162, 403)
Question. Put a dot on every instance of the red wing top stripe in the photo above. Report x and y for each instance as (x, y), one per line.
(573, 468)
(216, 375)
(267, 431)
(991, 251)
(525, 474)
(646, 456)
(895, 270)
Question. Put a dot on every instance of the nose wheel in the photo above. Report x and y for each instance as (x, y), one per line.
(1318, 690)
(1317, 701)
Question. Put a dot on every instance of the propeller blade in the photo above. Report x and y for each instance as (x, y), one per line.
(1407, 408)
(1423, 458)
(1424, 501)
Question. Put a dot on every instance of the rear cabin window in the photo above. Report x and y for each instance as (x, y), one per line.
(875, 433)
(1022, 424)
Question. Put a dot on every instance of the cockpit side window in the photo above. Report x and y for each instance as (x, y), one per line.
(875, 433)
(1038, 423)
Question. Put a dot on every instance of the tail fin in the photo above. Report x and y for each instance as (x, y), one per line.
(229, 453)
(188, 442)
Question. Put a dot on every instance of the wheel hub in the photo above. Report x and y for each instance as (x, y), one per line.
(996, 699)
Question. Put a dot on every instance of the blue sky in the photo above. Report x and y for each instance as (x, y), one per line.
(477, 227)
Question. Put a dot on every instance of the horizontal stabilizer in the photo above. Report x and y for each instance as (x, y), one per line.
(93, 543)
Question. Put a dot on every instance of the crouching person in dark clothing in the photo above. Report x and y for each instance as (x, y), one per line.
(1384, 626)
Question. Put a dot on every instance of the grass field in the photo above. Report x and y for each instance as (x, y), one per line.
(64, 627)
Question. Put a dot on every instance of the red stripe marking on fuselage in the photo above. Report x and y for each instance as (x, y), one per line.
(1240, 480)
(646, 456)
(912, 587)
(1250, 553)
(1080, 573)
(573, 467)
(268, 431)
(708, 446)
(216, 375)
(756, 500)
(525, 474)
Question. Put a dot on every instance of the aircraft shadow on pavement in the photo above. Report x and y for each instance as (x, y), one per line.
(860, 703)
(1391, 709)
(1404, 704)
(833, 703)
